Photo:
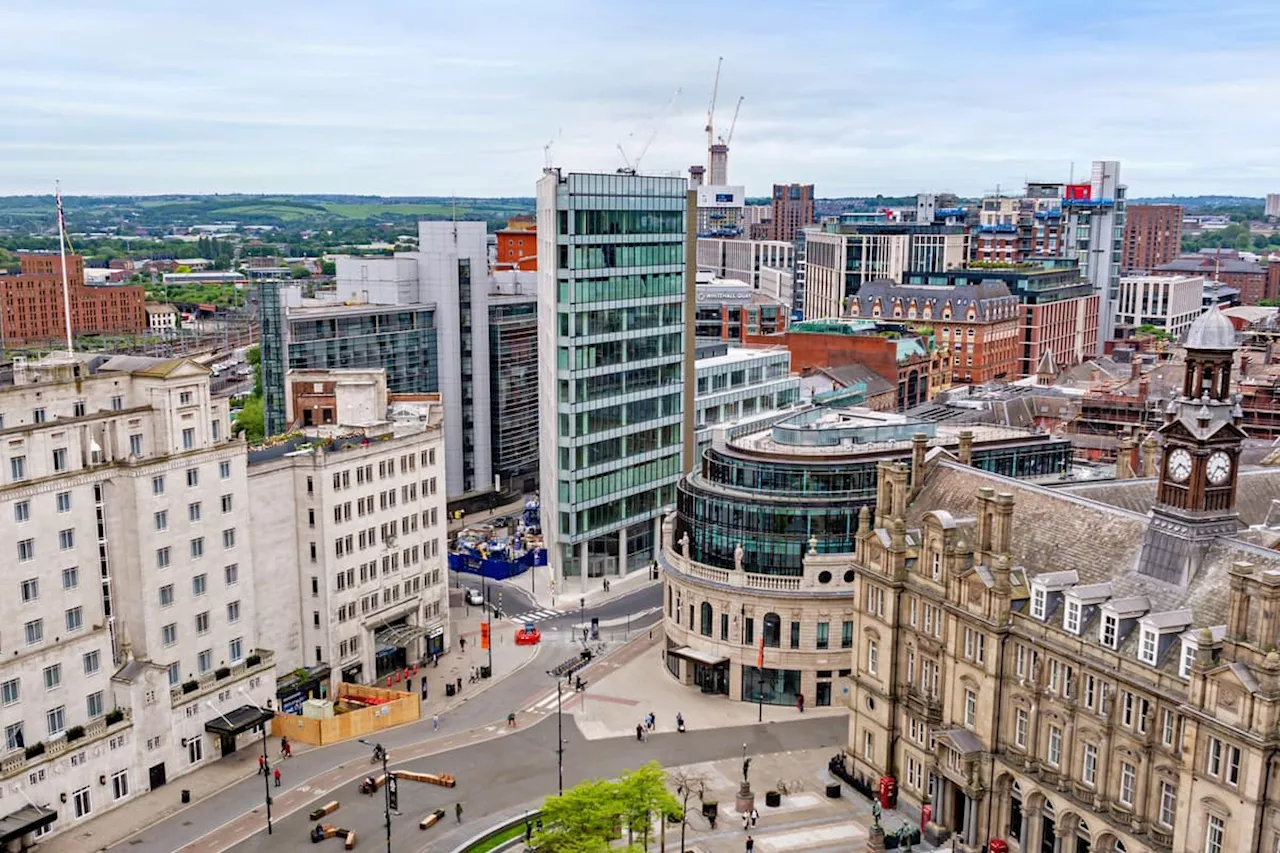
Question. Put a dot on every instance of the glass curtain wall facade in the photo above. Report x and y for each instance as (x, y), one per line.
(271, 321)
(611, 292)
(513, 366)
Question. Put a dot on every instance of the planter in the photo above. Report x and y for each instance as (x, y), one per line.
(222, 672)
(75, 733)
(833, 790)
(253, 660)
(190, 686)
(115, 715)
(772, 799)
(34, 750)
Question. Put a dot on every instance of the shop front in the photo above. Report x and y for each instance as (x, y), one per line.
(706, 670)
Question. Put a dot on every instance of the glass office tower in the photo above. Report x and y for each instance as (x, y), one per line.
(611, 291)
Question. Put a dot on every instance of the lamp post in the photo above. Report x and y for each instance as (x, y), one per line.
(582, 617)
(266, 775)
(489, 621)
(559, 734)
(377, 748)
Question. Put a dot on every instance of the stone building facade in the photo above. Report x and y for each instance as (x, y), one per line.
(1069, 672)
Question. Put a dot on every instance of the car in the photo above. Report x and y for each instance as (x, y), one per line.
(474, 596)
(501, 521)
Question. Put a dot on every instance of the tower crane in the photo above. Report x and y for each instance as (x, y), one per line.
(711, 110)
(725, 140)
(657, 124)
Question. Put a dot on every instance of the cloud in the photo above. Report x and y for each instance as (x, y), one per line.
(433, 98)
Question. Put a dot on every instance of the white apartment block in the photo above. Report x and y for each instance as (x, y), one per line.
(352, 519)
(743, 260)
(124, 539)
(1169, 302)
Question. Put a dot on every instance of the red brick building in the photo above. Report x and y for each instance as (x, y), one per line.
(792, 210)
(1273, 280)
(1226, 266)
(1152, 236)
(979, 323)
(517, 246)
(31, 304)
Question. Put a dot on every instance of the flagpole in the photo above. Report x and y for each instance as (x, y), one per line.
(760, 682)
(62, 252)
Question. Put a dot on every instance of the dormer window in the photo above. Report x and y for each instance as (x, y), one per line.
(936, 566)
(1148, 646)
(1039, 599)
(1071, 618)
(1186, 659)
(1109, 630)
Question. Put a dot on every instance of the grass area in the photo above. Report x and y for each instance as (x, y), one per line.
(279, 211)
(364, 211)
(498, 840)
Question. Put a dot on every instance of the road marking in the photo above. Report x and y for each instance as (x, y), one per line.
(534, 616)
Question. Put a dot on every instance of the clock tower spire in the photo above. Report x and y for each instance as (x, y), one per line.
(1196, 492)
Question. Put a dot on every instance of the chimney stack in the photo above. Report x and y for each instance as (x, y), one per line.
(966, 447)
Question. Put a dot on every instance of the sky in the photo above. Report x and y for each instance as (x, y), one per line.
(470, 98)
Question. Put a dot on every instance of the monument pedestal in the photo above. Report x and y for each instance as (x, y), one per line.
(745, 801)
(875, 839)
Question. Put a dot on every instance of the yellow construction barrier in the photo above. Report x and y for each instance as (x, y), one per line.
(431, 819)
(444, 780)
(326, 809)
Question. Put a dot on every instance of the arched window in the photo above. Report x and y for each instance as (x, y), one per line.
(705, 623)
(772, 630)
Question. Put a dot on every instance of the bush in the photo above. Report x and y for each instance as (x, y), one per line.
(190, 686)
(75, 733)
(222, 672)
(253, 660)
(34, 750)
(114, 716)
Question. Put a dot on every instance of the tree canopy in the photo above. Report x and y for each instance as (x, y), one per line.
(593, 816)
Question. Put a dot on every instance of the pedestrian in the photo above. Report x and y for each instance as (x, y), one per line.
(640, 732)
(751, 844)
(800, 702)
(746, 821)
(755, 816)
(277, 777)
(262, 764)
(424, 687)
(459, 683)
(584, 636)
(435, 722)
(457, 810)
(408, 685)
(511, 720)
(462, 643)
(288, 749)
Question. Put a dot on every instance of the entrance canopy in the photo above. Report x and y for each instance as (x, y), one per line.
(242, 719)
(26, 819)
(399, 636)
(697, 656)
(962, 741)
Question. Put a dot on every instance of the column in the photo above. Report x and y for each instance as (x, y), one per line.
(622, 552)
(1032, 827)
(582, 564)
(657, 536)
(971, 821)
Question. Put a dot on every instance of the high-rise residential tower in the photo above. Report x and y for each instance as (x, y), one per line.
(1152, 236)
(1095, 213)
(792, 210)
(611, 362)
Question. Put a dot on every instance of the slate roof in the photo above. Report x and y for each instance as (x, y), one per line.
(1255, 491)
(851, 374)
(991, 299)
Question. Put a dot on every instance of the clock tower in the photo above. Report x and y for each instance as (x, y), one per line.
(1196, 493)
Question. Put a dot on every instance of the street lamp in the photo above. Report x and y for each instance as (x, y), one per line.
(582, 617)
(559, 734)
(489, 621)
(390, 787)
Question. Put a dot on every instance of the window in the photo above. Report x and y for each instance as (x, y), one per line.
(772, 630)
(175, 674)
(94, 705)
(873, 657)
(202, 622)
(92, 662)
(193, 511)
(197, 548)
(157, 485)
(224, 470)
(970, 709)
(705, 619)
(120, 784)
(33, 631)
(1233, 765)
(1147, 647)
(1039, 600)
(39, 416)
(21, 511)
(795, 635)
(1168, 804)
(169, 634)
(724, 627)
(82, 803)
(226, 503)
(162, 558)
(229, 538)
(30, 590)
(193, 477)
(935, 570)
(846, 635)
(1109, 630)
(823, 636)
(1166, 728)
(1089, 770)
(135, 444)
(1128, 781)
(161, 520)
(1187, 660)
(1090, 690)
(75, 619)
(233, 612)
(1213, 762)
(868, 746)
(235, 650)
(1020, 661)
(1214, 834)
(66, 539)
(18, 468)
(13, 737)
(1071, 617)
(875, 600)
(204, 661)
(1055, 746)
(63, 500)
(188, 438)
(56, 720)
(232, 574)
(1020, 729)
(748, 631)
(199, 585)
(26, 550)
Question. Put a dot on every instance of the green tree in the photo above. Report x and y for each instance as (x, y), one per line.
(299, 272)
(584, 819)
(254, 357)
(251, 421)
(643, 795)
(328, 268)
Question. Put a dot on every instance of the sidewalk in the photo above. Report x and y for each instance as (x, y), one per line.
(218, 774)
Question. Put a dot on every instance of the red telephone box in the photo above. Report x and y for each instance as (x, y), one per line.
(888, 792)
(998, 845)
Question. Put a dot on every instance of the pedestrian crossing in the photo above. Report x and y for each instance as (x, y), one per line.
(535, 616)
(547, 704)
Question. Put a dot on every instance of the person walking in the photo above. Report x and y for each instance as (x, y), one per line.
(751, 844)
(457, 810)
(435, 722)
(277, 777)
(746, 821)
(262, 765)
(640, 732)
(800, 702)
(511, 720)
(462, 643)
(755, 816)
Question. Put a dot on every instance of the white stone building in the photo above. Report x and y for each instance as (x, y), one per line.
(130, 616)
(1168, 302)
(352, 520)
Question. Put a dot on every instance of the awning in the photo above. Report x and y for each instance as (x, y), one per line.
(399, 636)
(962, 741)
(698, 657)
(26, 819)
(231, 723)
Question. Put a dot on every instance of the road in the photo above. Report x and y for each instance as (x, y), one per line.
(516, 602)
(517, 769)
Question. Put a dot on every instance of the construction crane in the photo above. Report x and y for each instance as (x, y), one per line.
(657, 124)
(725, 140)
(711, 110)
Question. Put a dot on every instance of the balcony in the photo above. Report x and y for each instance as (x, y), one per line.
(924, 706)
(198, 688)
(92, 732)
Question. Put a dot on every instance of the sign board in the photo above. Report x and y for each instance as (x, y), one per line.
(393, 792)
(1079, 192)
(712, 196)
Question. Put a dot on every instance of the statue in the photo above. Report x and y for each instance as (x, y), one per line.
(875, 813)
(746, 770)
(684, 544)
(737, 557)
(813, 544)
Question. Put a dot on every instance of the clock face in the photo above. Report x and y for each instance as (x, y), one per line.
(1218, 468)
(1179, 466)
